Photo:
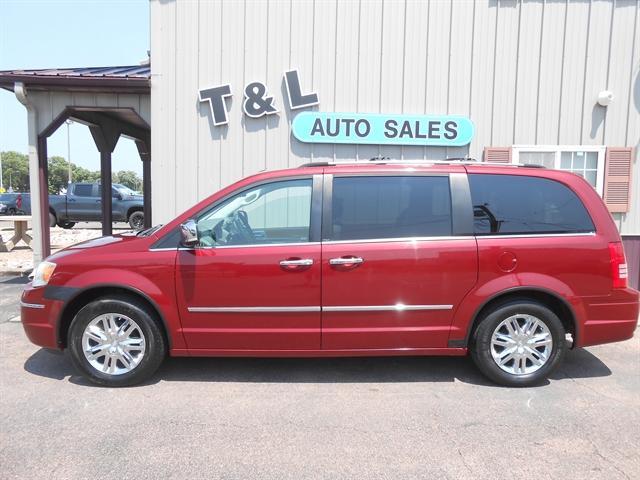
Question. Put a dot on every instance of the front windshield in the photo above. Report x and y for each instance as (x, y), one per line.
(125, 190)
(149, 231)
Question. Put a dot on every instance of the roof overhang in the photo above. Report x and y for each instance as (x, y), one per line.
(128, 79)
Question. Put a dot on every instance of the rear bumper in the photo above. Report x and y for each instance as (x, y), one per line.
(610, 319)
(39, 317)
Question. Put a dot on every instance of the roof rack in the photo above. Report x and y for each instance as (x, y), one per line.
(387, 161)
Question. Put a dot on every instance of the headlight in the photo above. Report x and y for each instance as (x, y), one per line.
(42, 273)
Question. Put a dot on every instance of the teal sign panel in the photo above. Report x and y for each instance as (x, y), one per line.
(381, 129)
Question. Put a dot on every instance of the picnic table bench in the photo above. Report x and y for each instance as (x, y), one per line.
(20, 225)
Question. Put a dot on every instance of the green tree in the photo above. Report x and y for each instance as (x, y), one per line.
(129, 179)
(81, 174)
(15, 169)
(58, 174)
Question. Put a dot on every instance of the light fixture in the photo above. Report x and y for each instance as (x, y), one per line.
(605, 97)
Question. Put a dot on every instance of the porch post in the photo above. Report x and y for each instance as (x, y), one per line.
(145, 155)
(105, 135)
(105, 193)
(43, 180)
(40, 244)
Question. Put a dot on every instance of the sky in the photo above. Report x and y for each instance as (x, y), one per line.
(69, 33)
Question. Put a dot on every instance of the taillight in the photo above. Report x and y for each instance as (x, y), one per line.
(19, 202)
(618, 265)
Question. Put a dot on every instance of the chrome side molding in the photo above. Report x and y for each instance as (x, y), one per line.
(399, 307)
(31, 305)
(252, 309)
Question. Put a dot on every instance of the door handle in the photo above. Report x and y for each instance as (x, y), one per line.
(296, 263)
(346, 261)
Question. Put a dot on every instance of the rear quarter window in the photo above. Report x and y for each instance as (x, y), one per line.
(515, 204)
(83, 190)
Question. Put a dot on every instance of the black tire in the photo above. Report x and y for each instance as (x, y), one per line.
(155, 344)
(12, 211)
(136, 220)
(481, 342)
(66, 225)
(52, 219)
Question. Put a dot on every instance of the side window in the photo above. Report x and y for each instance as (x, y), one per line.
(390, 207)
(278, 212)
(514, 204)
(83, 190)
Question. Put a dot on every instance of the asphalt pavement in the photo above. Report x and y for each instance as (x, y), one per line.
(316, 418)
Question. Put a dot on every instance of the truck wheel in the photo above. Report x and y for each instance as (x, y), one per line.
(116, 341)
(52, 220)
(136, 220)
(66, 225)
(12, 211)
(518, 343)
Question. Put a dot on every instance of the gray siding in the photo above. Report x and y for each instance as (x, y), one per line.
(525, 72)
(50, 104)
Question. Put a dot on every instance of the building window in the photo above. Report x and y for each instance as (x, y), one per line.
(584, 160)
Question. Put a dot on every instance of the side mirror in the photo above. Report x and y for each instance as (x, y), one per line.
(189, 233)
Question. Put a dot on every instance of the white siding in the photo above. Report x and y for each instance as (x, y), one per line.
(524, 71)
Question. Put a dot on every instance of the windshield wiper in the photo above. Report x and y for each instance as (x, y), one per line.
(148, 231)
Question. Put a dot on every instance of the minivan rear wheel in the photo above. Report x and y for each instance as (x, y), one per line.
(116, 342)
(518, 343)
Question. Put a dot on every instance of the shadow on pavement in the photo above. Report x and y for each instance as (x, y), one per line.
(14, 280)
(578, 363)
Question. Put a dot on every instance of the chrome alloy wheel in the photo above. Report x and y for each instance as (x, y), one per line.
(113, 343)
(521, 344)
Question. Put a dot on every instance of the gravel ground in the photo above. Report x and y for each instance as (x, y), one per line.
(317, 418)
(20, 259)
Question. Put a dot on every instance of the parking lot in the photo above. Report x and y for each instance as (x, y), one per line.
(316, 418)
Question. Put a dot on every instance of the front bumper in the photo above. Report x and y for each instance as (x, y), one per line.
(40, 316)
(610, 319)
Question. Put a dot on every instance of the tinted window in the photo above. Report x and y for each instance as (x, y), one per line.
(83, 190)
(512, 204)
(278, 212)
(390, 207)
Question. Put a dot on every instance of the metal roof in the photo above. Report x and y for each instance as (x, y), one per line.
(133, 78)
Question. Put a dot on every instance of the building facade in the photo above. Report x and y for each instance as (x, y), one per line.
(528, 74)
(236, 87)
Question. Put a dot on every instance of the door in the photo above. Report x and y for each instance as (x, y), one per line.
(392, 269)
(82, 201)
(253, 284)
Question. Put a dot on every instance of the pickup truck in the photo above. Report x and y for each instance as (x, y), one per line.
(14, 203)
(82, 203)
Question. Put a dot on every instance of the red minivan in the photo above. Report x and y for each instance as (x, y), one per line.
(354, 259)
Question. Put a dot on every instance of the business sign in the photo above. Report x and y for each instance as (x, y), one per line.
(257, 102)
(330, 127)
(381, 129)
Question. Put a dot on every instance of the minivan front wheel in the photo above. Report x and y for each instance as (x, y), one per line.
(116, 342)
(519, 343)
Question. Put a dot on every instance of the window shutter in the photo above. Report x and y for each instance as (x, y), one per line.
(497, 154)
(617, 179)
